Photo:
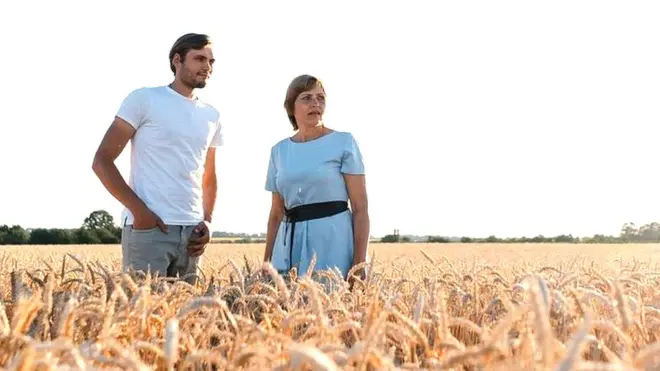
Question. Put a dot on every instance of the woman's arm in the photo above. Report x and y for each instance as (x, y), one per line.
(357, 194)
(274, 219)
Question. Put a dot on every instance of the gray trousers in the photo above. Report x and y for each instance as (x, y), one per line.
(163, 254)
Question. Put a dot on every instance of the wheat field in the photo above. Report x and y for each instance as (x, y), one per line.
(435, 306)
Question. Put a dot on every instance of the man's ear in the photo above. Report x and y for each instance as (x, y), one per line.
(176, 60)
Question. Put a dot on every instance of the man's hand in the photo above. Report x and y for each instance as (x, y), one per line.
(199, 239)
(147, 219)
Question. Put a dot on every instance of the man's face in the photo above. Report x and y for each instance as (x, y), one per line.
(197, 67)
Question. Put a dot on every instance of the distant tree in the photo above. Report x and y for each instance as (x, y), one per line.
(17, 236)
(99, 227)
(600, 238)
(538, 239)
(86, 236)
(566, 238)
(645, 233)
(14, 235)
(390, 238)
(437, 239)
(650, 232)
(4, 230)
(108, 237)
(99, 219)
(629, 232)
(492, 239)
(55, 236)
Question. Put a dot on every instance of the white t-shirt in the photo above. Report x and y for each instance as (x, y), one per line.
(168, 152)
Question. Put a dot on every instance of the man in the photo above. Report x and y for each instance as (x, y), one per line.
(170, 200)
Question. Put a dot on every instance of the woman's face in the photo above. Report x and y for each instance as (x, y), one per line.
(309, 107)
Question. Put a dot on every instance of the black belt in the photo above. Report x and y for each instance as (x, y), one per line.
(308, 212)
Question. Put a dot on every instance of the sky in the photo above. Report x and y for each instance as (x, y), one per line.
(475, 118)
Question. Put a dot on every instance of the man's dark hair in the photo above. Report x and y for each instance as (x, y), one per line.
(186, 42)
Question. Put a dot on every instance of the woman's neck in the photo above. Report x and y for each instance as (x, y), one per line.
(306, 134)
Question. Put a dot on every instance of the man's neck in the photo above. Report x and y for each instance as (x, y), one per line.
(182, 89)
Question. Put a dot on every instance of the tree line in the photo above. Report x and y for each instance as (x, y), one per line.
(630, 233)
(99, 228)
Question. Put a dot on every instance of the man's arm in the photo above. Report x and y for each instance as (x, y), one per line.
(209, 185)
(201, 235)
(113, 143)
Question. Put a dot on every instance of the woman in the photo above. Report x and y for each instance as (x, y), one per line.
(312, 176)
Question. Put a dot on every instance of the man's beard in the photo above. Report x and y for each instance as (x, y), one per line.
(199, 85)
(195, 85)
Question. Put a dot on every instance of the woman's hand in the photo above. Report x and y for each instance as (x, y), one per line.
(356, 272)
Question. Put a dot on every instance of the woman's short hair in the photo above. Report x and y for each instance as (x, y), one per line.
(297, 86)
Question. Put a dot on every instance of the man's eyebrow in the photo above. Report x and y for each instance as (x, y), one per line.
(204, 57)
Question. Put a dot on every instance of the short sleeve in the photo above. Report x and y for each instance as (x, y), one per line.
(271, 185)
(219, 137)
(134, 108)
(351, 161)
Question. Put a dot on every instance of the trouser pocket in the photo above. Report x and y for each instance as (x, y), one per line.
(148, 250)
(154, 229)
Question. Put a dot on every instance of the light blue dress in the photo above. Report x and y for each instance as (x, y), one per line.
(309, 172)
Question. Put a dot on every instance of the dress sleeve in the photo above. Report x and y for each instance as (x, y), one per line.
(271, 186)
(351, 161)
